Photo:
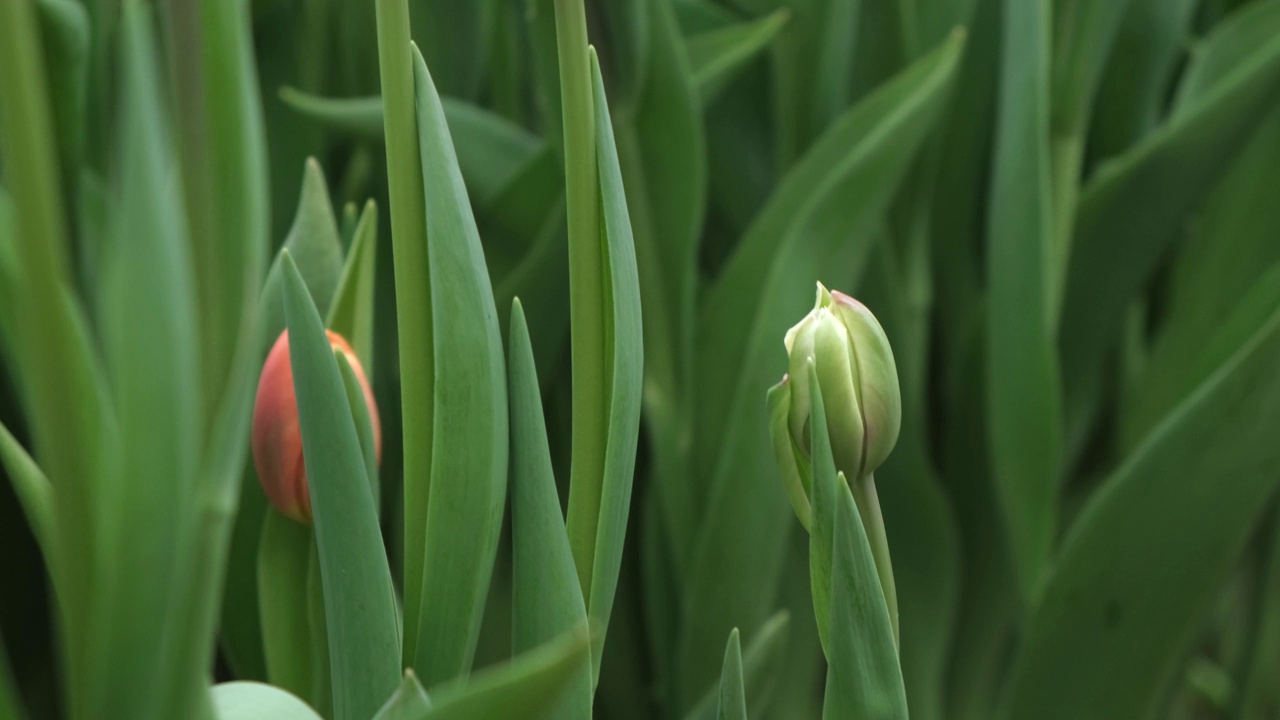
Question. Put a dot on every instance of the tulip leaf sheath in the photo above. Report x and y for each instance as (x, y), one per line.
(469, 441)
(624, 370)
(363, 632)
(351, 312)
(819, 220)
(546, 597)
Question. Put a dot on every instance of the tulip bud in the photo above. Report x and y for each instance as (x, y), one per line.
(277, 434)
(859, 382)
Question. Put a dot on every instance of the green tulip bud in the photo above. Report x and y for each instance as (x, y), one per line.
(859, 382)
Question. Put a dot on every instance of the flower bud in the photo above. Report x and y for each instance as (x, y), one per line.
(277, 433)
(859, 382)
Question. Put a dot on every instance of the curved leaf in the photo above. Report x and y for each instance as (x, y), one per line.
(714, 55)
(1132, 208)
(351, 312)
(469, 443)
(1142, 563)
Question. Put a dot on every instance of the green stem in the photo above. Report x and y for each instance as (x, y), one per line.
(864, 492)
(413, 294)
(586, 288)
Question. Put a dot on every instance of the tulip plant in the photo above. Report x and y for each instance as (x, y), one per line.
(449, 359)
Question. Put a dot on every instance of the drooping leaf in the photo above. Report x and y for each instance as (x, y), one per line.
(813, 62)
(546, 596)
(363, 633)
(470, 429)
(1142, 563)
(818, 225)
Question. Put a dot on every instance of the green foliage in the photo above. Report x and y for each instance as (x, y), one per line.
(1060, 211)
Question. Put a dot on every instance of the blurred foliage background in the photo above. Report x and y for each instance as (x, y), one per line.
(1064, 214)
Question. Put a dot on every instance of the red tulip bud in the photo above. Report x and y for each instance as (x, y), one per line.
(277, 434)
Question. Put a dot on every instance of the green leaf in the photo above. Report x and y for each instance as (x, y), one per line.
(813, 71)
(1132, 208)
(1135, 83)
(147, 313)
(820, 221)
(284, 555)
(1143, 562)
(63, 391)
(546, 597)
(529, 687)
(409, 702)
(413, 294)
(662, 154)
(715, 55)
(316, 247)
(351, 311)
(1084, 34)
(64, 29)
(34, 492)
(470, 441)
(863, 677)
(623, 354)
(256, 701)
(491, 149)
(1257, 692)
(1024, 393)
(733, 698)
(222, 144)
(359, 406)
(359, 600)
(762, 664)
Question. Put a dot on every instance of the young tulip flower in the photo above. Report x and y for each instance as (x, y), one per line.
(859, 382)
(277, 434)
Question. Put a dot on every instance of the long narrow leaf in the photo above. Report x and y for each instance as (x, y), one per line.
(546, 597)
(1025, 401)
(359, 600)
(624, 353)
(470, 438)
